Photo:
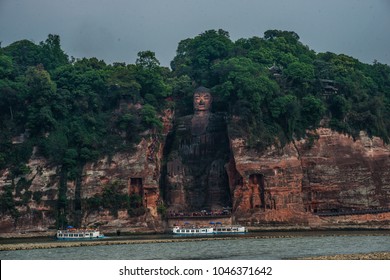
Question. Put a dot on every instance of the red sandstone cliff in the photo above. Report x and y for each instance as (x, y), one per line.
(137, 172)
(287, 187)
(322, 183)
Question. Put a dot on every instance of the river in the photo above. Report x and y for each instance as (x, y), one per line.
(256, 246)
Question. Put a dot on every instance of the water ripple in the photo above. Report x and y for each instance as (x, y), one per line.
(243, 248)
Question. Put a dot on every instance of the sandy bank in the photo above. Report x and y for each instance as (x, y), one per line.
(65, 244)
(368, 256)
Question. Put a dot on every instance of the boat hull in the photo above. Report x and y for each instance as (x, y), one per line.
(192, 231)
(78, 235)
(209, 230)
(230, 230)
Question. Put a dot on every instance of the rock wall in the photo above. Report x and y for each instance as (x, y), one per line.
(134, 173)
(32, 214)
(345, 175)
(35, 195)
(327, 180)
(313, 182)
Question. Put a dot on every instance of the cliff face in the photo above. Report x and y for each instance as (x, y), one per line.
(34, 197)
(325, 181)
(320, 181)
(136, 173)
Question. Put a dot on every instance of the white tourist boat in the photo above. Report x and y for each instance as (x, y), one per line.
(73, 233)
(192, 230)
(230, 229)
(188, 230)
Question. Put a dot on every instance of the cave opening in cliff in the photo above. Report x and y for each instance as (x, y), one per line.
(136, 186)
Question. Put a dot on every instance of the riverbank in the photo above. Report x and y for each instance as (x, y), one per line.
(67, 244)
(368, 256)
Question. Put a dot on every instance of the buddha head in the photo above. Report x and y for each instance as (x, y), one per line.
(202, 99)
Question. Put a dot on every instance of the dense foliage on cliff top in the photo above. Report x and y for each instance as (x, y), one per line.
(78, 110)
(279, 87)
(75, 111)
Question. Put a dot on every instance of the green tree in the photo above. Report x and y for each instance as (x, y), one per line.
(24, 54)
(313, 110)
(299, 72)
(150, 118)
(153, 79)
(123, 85)
(52, 56)
(285, 109)
(41, 95)
(197, 55)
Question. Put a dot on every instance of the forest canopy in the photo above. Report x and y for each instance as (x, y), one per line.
(272, 88)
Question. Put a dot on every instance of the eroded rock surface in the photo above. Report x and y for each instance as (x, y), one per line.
(329, 182)
(332, 181)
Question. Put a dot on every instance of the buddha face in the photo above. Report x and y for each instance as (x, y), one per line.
(202, 101)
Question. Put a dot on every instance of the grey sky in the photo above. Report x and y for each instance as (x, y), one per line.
(116, 30)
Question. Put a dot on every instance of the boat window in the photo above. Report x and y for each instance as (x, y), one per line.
(192, 230)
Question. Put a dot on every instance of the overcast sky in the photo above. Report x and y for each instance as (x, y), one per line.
(116, 30)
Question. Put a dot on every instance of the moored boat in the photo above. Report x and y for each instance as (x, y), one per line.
(230, 229)
(74, 233)
(194, 230)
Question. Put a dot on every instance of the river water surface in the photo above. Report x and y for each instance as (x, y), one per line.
(249, 247)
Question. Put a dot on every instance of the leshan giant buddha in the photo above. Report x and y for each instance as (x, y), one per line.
(195, 172)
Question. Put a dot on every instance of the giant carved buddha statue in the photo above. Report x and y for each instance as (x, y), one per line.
(195, 176)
